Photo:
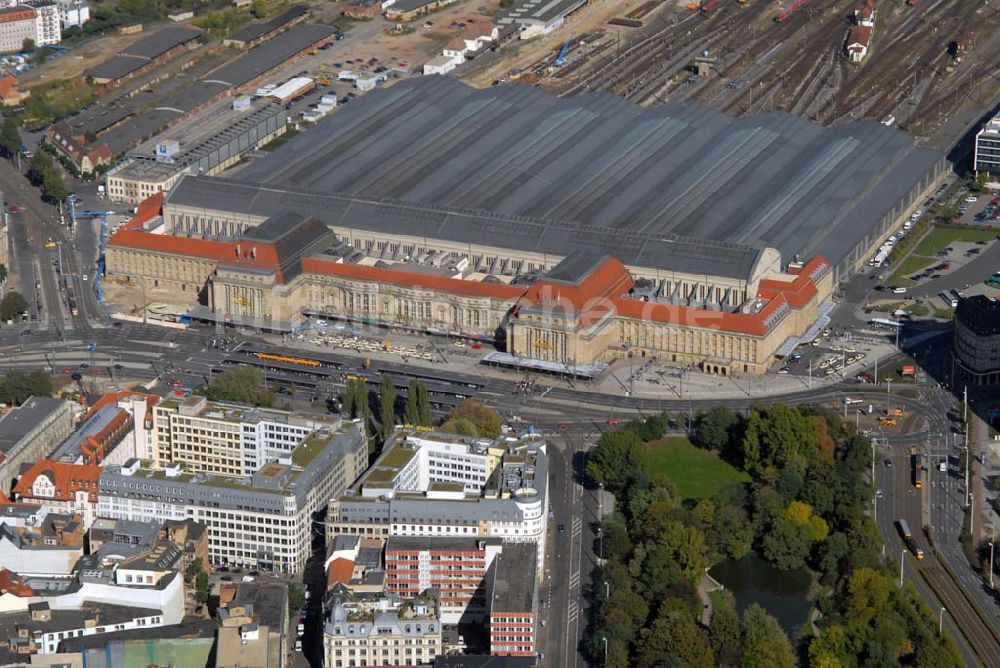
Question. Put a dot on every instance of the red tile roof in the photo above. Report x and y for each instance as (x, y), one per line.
(115, 397)
(66, 478)
(340, 570)
(868, 10)
(13, 585)
(860, 35)
(148, 209)
(592, 298)
(9, 87)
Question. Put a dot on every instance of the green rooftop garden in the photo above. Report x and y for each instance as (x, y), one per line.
(308, 449)
(397, 457)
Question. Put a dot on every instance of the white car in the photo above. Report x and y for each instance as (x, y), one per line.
(84, 277)
(971, 198)
(899, 291)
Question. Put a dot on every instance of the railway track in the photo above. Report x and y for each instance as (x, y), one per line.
(982, 640)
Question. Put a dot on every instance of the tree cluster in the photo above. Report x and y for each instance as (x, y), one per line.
(10, 139)
(196, 577)
(13, 304)
(805, 507)
(42, 172)
(471, 418)
(418, 405)
(17, 386)
(355, 400)
(243, 384)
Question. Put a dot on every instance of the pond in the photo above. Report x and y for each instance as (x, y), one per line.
(781, 593)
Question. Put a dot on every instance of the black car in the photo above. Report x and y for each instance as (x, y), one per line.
(562, 528)
(119, 366)
(888, 463)
(84, 365)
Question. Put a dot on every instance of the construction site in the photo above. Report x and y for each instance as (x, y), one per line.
(929, 67)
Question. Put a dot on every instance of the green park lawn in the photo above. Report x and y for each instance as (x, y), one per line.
(941, 237)
(696, 473)
(925, 252)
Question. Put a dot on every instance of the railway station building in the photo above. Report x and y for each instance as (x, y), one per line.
(572, 231)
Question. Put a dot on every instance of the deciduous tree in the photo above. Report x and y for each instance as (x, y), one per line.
(486, 420)
(765, 644)
(618, 457)
(715, 428)
(10, 139)
(387, 403)
(418, 405)
(13, 305)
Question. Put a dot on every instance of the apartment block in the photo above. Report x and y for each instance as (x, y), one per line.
(228, 439)
(48, 23)
(73, 13)
(380, 630)
(987, 149)
(260, 521)
(17, 24)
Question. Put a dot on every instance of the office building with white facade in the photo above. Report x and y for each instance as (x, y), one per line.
(261, 521)
(227, 439)
(434, 484)
(987, 151)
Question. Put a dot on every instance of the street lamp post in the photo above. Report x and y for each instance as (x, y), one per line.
(605, 639)
(873, 461)
(991, 559)
(902, 555)
(941, 620)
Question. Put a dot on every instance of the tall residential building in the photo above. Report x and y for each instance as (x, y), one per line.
(17, 23)
(48, 26)
(227, 439)
(443, 485)
(260, 521)
(987, 154)
(73, 13)
(380, 630)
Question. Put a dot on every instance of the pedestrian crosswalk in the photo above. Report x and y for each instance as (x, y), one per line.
(573, 612)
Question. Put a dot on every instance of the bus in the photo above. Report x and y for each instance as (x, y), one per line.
(904, 531)
(885, 323)
(918, 469)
